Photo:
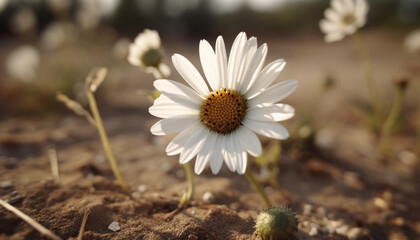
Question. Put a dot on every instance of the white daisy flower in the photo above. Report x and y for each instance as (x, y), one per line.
(412, 42)
(343, 18)
(216, 118)
(146, 52)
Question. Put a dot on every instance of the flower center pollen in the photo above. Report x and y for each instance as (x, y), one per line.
(152, 57)
(223, 110)
(348, 19)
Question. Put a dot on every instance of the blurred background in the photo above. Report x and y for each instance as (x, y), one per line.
(50, 45)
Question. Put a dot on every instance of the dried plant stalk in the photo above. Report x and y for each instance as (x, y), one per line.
(30, 221)
(82, 227)
(52, 155)
(75, 107)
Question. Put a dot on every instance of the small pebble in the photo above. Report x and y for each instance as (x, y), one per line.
(6, 184)
(380, 203)
(321, 211)
(135, 195)
(398, 221)
(208, 197)
(114, 226)
(142, 188)
(342, 230)
(307, 209)
(333, 225)
(408, 158)
(354, 233)
(313, 231)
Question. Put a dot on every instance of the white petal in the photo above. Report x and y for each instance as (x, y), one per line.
(204, 156)
(179, 93)
(339, 6)
(165, 70)
(249, 141)
(333, 37)
(193, 145)
(266, 77)
(227, 152)
(274, 93)
(242, 162)
(268, 129)
(245, 58)
(216, 160)
(178, 143)
(332, 15)
(190, 74)
(254, 68)
(274, 112)
(349, 5)
(173, 125)
(328, 26)
(221, 61)
(209, 64)
(235, 60)
(163, 107)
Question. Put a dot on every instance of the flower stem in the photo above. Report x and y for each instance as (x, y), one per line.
(188, 195)
(367, 69)
(105, 142)
(257, 186)
(384, 142)
(187, 166)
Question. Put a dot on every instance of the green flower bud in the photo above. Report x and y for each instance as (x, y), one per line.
(276, 223)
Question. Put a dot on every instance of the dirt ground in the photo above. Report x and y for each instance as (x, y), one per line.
(335, 181)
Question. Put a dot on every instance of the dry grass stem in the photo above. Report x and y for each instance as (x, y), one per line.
(95, 78)
(82, 227)
(52, 155)
(75, 107)
(30, 221)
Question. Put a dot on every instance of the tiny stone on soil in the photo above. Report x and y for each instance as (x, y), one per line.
(342, 230)
(142, 188)
(208, 197)
(307, 209)
(6, 184)
(380, 203)
(313, 231)
(114, 226)
(408, 158)
(354, 233)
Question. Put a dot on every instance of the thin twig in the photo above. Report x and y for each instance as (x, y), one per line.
(30, 221)
(82, 227)
(52, 155)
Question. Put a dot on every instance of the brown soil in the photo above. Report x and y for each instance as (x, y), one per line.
(336, 187)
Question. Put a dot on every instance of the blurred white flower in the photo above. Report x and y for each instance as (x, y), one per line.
(23, 21)
(120, 49)
(146, 52)
(23, 63)
(57, 34)
(217, 125)
(3, 4)
(59, 6)
(343, 18)
(88, 16)
(90, 12)
(412, 42)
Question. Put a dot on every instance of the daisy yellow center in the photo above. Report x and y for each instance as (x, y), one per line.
(348, 19)
(223, 110)
(152, 57)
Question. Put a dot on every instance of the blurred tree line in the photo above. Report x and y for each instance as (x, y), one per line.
(202, 17)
